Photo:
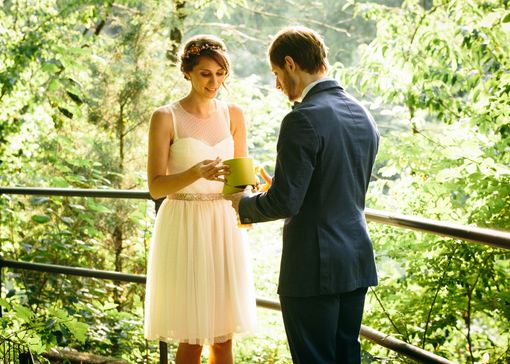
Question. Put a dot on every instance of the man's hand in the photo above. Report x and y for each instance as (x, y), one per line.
(236, 197)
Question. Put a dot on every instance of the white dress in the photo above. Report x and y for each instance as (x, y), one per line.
(199, 283)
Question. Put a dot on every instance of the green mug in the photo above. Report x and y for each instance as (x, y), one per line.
(242, 174)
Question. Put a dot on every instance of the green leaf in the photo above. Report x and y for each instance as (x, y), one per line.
(39, 200)
(58, 313)
(66, 112)
(109, 306)
(78, 329)
(50, 68)
(74, 97)
(23, 313)
(99, 208)
(41, 219)
(4, 303)
(36, 345)
(50, 323)
(67, 220)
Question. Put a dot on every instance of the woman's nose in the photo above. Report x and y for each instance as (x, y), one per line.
(215, 80)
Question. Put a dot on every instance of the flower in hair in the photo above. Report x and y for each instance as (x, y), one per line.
(196, 49)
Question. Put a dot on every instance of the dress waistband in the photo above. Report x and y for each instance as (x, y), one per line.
(196, 196)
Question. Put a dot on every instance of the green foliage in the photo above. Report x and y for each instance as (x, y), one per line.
(40, 331)
(79, 79)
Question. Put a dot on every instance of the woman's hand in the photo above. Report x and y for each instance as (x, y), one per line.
(211, 170)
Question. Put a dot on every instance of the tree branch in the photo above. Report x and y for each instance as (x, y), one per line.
(440, 285)
(302, 20)
(388, 315)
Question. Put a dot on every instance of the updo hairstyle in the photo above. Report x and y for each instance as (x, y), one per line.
(204, 45)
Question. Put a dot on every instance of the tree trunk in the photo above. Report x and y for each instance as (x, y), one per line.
(176, 31)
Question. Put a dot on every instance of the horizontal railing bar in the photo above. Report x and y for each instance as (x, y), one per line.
(81, 272)
(491, 237)
(401, 347)
(77, 192)
(396, 345)
(495, 238)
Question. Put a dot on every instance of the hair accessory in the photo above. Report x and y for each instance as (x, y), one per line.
(196, 49)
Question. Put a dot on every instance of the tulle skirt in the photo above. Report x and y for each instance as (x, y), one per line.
(199, 283)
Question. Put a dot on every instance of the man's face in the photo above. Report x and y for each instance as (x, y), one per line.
(286, 82)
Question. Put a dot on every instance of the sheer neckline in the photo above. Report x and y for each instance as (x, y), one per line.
(229, 137)
(216, 109)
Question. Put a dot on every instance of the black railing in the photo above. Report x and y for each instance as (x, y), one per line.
(494, 238)
(369, 333)
(12, 352)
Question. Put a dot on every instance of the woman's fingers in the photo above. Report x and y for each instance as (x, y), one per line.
(213, 170)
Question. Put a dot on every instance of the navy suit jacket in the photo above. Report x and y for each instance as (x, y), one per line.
(325, 152)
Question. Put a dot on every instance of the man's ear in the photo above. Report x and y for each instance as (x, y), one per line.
(289, 63)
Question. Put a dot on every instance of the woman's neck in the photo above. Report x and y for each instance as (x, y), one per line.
(198, 106)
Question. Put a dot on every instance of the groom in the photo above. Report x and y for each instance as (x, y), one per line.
(325, 153)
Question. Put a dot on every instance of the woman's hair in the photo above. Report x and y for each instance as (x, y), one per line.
(305, 46)
(204, 45)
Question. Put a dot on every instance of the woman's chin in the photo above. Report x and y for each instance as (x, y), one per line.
(212, 95)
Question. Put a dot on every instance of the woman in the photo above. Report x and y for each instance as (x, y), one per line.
(199, 284)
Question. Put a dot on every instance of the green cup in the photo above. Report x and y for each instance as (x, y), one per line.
(242, 174)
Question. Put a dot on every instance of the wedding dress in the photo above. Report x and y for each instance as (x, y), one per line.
(199, 281)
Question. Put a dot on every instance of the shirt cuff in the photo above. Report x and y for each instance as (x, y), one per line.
(243, 218)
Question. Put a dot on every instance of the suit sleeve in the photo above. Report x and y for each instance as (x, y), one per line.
(297, 150)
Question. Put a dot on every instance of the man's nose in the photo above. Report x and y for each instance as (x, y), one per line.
(278, 85)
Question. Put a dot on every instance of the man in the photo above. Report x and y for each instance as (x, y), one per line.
(325, 153)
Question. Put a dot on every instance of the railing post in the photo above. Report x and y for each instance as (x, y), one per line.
(1, 282)
(163, 346)
(25, 357)
(163, 352)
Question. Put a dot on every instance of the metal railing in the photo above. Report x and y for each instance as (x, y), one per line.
(12, 352)
(494, 238)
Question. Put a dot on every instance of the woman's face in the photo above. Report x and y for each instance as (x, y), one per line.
(207, 77)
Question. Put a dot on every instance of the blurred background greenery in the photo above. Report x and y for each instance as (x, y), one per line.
(79, 80)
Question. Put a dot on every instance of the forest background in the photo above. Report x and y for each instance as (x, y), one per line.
(79, 80)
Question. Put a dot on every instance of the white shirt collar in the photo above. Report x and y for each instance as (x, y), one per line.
(311, 84)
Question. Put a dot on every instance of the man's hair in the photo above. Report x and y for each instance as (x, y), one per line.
(305, 46)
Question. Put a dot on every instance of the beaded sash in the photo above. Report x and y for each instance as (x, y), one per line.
(196, 196)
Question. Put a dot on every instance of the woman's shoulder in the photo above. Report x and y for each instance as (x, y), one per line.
(163, 113)
(165, 109)
(234, 109)
(162, 119)
(232, 106)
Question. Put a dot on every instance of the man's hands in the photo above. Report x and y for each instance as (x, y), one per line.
(236, 197)
(249, 191)
(211, 170)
